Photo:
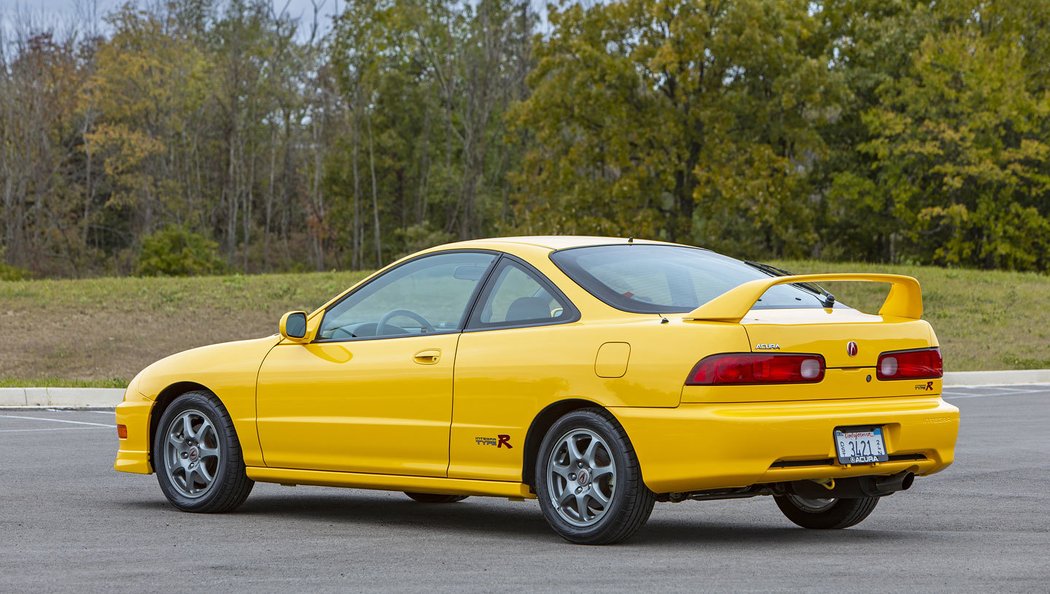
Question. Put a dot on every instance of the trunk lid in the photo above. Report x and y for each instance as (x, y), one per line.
(828, 332)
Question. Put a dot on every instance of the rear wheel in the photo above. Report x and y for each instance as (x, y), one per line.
(197, 456)
(434, 497)
(589, 482)
(826, 514)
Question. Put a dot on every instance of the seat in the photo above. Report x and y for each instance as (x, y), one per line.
(528, 308)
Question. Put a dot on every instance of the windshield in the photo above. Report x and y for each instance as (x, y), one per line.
(668, 279)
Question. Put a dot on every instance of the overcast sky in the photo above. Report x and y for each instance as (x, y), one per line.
(53, 12)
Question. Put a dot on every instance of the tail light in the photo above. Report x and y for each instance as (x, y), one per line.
(757, 368)
(917, 364)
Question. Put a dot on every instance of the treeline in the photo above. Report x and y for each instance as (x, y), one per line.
(199, 135)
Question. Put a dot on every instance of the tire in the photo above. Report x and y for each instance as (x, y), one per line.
(434, 497)
(195, 441)
(826, 514)
(598, 483)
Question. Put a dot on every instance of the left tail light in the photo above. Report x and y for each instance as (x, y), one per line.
(757, 368)
(914, 364)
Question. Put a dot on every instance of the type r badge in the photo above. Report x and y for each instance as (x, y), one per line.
(501, 440)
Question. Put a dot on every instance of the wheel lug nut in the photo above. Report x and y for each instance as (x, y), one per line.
(579, 489)
(572, 477)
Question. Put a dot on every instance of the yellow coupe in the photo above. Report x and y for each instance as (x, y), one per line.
(598, 375)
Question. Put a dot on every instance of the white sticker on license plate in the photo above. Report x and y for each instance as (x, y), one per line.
(860, 446)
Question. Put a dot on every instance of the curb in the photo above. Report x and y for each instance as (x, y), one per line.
(60, 397)
(996, 378)
(111, 397)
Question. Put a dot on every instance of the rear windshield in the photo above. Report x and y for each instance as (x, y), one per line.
(667, 279)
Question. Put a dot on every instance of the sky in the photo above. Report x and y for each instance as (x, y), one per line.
(55, 12)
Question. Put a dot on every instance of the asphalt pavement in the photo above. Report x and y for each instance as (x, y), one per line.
(69, 522)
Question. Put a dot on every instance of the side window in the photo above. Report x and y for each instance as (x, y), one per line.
(425, 296)
(516, 297)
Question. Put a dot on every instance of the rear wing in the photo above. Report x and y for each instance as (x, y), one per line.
(903, 301)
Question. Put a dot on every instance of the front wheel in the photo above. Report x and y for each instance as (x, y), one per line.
(826, 514)
(197, 456)
(588, 480)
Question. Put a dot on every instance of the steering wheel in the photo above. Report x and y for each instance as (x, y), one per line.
(402, 312)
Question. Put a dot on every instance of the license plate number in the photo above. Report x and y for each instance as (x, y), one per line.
(860, 446)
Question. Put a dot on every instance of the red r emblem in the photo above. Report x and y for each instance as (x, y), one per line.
(504, 440)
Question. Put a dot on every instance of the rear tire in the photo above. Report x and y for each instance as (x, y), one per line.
(434, 497)
(588, 480)
(197, 456)
(826, 514)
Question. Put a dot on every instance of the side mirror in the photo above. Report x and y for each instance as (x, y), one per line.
(293, 326)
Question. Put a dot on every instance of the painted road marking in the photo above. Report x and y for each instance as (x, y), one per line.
(55, 421)
(52, 429)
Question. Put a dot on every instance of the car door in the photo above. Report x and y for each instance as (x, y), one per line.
(519, 347)
(373, 392)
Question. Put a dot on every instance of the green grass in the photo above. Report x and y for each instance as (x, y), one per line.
(100, 332)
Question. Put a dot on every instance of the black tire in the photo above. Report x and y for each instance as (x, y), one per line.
(629, 501)
(841, 513)
(230, 485)
(434, 497)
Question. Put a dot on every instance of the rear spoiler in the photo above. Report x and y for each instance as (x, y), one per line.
(904, 300)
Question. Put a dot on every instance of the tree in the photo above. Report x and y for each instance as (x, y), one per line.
(691, 121)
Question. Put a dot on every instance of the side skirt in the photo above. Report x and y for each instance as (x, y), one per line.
(389, 482)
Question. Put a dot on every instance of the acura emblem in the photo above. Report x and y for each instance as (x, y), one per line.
(851, 348)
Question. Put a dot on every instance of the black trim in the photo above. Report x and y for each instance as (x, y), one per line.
(474, 324)
(462, 321)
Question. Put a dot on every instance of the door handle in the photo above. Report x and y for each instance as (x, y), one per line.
(427, 357)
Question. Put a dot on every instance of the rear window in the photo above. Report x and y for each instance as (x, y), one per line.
(667, 279)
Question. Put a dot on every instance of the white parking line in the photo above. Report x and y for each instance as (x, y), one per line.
(54, 429)
(958, 395)
(56, 421)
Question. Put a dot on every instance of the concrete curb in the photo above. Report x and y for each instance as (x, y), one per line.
(110, 397)
(60, 397)
(996, 378)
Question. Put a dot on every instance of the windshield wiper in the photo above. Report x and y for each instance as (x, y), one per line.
(826, 298)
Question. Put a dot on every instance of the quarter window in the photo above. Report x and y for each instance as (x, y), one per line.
(518, 297)
(429, 295)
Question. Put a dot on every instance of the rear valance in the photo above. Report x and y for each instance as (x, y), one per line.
(903, 301)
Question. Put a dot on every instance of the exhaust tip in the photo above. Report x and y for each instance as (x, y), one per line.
(907, 481)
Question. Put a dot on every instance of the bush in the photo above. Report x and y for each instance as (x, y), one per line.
(177, 251)
(12, 273)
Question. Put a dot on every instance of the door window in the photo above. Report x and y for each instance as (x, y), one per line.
(429, 295)
(519, 297)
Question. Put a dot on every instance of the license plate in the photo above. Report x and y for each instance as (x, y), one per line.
(860, 445)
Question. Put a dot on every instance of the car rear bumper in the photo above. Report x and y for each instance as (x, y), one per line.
(133, 452)
(697, 447)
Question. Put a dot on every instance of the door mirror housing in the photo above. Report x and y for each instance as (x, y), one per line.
(293, 326)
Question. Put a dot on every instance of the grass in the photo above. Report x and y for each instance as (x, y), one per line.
(101, 332)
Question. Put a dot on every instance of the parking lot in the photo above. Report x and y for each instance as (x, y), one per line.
(69, 522)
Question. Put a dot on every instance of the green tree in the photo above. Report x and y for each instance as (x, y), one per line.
(692, 121)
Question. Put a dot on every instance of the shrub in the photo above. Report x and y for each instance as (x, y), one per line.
(177, 251)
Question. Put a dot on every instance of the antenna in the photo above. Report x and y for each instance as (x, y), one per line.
(630, 240)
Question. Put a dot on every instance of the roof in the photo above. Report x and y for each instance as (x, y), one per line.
(552, 242)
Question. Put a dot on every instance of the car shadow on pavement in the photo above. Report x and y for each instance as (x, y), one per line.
(485, 516)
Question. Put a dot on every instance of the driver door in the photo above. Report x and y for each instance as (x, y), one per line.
(373, 392)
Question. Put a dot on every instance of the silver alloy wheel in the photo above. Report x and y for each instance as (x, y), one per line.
(813, 506)
(192, 453)
(581, 477)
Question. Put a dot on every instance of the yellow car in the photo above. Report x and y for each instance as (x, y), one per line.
(598, 375)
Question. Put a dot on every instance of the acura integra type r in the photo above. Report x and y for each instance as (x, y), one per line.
(597, 375)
